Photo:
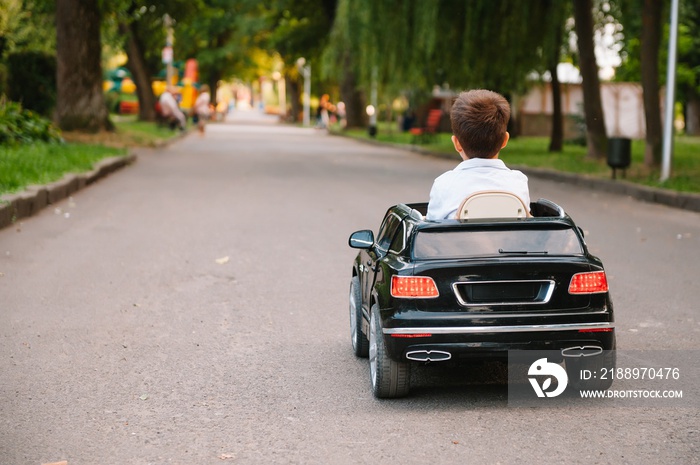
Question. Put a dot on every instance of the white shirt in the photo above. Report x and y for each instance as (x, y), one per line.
(471, 176)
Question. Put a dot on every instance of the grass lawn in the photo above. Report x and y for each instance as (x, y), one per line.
(532, 152)
(129, 133)
(41, 163)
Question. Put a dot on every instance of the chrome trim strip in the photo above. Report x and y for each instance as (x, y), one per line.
(464, 303)
(488, 315)
(499, 329)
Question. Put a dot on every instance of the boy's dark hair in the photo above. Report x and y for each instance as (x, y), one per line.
(479, 121)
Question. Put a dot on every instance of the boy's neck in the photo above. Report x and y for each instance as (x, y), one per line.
(466, 157)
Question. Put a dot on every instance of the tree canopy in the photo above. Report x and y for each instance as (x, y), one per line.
(417, 44)
(405, 47)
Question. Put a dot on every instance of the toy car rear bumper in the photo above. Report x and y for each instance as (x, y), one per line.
(426, 344)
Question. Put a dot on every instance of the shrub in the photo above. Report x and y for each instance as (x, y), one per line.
(19, 126)
(112, 101)
(31, 80)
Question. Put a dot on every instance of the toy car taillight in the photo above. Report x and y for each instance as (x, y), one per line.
(588, 283)
(416, 287)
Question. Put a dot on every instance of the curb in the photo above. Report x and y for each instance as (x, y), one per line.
(681, 200)
(14, 207)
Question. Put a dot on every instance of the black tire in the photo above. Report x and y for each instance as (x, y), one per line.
(360, 343)
(599, 368)
(390, 379)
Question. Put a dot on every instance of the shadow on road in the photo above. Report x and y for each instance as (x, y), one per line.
(479, 383)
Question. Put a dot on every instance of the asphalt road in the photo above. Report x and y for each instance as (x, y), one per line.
(192, 309)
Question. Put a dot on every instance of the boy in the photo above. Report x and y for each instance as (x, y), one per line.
(479, 121)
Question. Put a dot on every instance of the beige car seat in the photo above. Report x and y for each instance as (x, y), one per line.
(492, 204)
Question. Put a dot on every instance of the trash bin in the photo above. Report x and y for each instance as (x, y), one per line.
(619, 153)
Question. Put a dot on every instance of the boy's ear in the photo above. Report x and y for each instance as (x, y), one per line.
(455, 142)
(505, 141)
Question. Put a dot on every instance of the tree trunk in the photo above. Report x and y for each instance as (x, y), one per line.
(514, 126)
(80, 103)
(213, 82)
(355, 114)
(215, 73)
(139, 71)
(592, 104)
(650, 42)
(293, 89)
(556, 141)
(692, 116)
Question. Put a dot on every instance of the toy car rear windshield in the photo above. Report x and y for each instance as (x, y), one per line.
(493, 242)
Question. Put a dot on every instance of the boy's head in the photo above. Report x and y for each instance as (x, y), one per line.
(479, 122)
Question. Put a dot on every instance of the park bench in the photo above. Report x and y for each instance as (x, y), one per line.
(427, 132)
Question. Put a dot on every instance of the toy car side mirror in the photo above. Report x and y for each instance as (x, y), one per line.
(361, 239)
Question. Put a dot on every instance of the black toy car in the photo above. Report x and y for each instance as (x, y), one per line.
(432, 291)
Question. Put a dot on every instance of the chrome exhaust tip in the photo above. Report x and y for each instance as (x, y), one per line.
(581, 351)
(428, 355)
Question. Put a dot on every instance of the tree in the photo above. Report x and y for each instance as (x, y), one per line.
(224, 36)
(27, 25)
(592, 104)
(552, 49)
(142, 35)
(412, 46)
(301, 28)
(80, 104)
(351, 93)
(642, 61)
(340, 60)
(650, 43)
(27, 29)
(688, 71)
(138, 66)
(556, 139)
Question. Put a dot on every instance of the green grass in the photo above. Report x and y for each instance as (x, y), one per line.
(141, 133)
(532, 152)
(42, 163)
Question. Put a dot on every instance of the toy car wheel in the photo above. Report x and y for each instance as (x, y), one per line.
(595, 366)
(390, 379)
(360, 343)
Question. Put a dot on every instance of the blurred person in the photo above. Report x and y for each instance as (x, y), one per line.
(202, 108)
(323, 115)
(341, 115)
(171, 110)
